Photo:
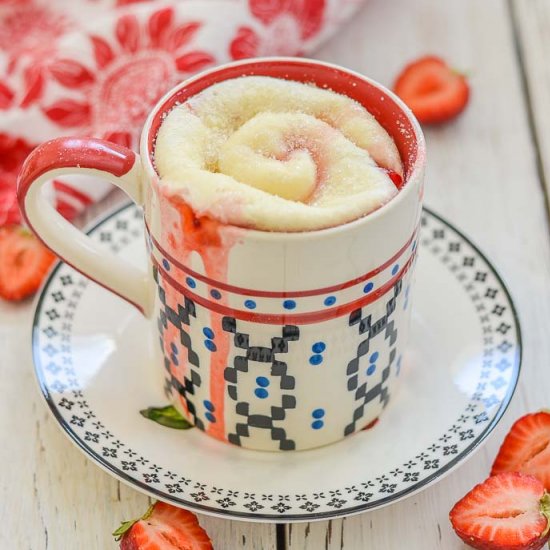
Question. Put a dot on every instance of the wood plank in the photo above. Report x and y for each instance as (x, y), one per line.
(532, 21)
(52, 496)
(482, 175)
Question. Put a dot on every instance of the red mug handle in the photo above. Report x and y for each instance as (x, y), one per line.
(78, 156)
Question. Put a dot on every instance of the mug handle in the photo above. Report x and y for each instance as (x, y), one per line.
(94, 157)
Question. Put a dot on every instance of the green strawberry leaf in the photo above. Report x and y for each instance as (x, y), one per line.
(125, 526)
(166, 416)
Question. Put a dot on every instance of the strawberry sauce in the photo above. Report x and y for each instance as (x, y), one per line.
(187, 234)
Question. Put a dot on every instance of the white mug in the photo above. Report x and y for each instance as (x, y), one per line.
(268, 340)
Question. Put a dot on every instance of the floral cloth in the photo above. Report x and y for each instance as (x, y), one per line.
(96, 67)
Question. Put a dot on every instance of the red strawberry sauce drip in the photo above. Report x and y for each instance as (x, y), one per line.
(186, 233)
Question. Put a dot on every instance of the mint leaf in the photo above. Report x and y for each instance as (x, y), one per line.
(166, 416)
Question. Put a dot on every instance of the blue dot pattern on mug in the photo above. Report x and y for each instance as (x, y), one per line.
(166, 264)
(216, 294)
(208, 332)
(209, 406)
(261, 391)
(395, 269)
(174, 348)
(262, 381)
(289, 304)
(318, 348)
(316, 359)
(317, 423)
(330, 300)
(371, 369)
(368, 287)
(208, 343)
(190, 282)
(398, 365)
(250, 304)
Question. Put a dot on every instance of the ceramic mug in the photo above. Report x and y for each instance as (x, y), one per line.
(268, 340)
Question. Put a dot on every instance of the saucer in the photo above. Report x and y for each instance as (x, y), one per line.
(92, 359)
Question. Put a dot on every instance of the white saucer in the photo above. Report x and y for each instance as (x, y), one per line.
(92, 361)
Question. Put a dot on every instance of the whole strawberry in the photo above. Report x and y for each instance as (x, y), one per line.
(509, 511)
(526, 448)
(163, 527)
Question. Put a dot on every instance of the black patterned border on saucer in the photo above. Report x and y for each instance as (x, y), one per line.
(59, 381)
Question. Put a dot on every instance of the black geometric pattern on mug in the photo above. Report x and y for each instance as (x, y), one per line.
(180, 318)
(370, 330)
(278, 370)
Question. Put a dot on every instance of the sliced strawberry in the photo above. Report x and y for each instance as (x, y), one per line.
(526, 448)
(508, 511)
(434, 92)
(396, 178)
(163, 527)
(24, 261)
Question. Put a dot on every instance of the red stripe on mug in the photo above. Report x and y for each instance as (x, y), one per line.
(66, 209)
(287, 318)
(73, 152)
(73, 192)
(279, 294)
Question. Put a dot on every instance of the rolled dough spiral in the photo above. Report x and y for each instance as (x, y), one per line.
(276, 155)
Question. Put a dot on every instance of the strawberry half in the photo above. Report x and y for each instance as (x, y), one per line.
(433, 91)
(163, 527)
(526, 448)
(24, 261)
(508, 511)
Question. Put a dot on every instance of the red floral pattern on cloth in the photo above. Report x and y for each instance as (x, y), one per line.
(13, 152)
(96, 67)
(28, 34)
(112, 96)
(286, 24)
(308, 14)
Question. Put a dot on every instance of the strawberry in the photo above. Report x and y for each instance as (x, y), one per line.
(24, 261)
(163, 527)
(396, 178)
(526, 448)
(434, 92)
(509, 511)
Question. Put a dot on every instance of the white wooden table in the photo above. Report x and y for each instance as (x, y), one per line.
(487, 174)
